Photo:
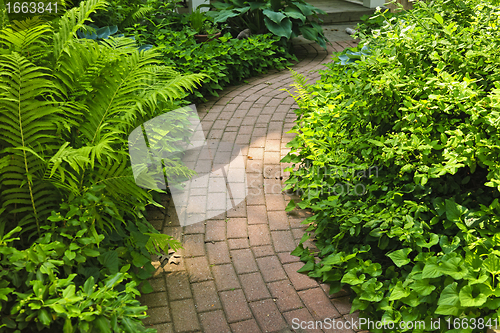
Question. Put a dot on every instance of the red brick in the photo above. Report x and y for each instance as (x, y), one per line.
(239, 211)
(163, 328)
(244, 261)
(272, 186)
(271, 157)
(297, 223)
(214, 322)
(271, 269)
(263, 251)
(259, 234)
(247, 326)
(237, 228)
(184, 315)
(198, 269)
(318, 304)
(301, 317)
(178, 285)
(256, 153)
(225, 277)
(300, 281)
(254, 166)
(271, 171)
(218, 253)
(339, 325)
(158, 284)
(255, 197)
(285, 295)
(287, 258)
(238, 243)
(254, 181)
(153, 300)
(278, 220)
(197, 228)
(235, 305)
(267, 315)
(273, 145)
(283, 241)
(205, 296)
(257, 215)
(194, 245)
(157, 315)
(298, 233)
(258, 141)
(275, 202)
(215, 231)
(254, 287)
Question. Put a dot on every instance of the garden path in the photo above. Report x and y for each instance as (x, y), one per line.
(236, 273)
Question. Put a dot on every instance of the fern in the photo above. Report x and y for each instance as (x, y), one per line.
(27, 130)
(64, 128)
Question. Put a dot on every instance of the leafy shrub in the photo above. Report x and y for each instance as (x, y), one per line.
(74, 279)
(286, 19)
(225, 61)
(398, 158)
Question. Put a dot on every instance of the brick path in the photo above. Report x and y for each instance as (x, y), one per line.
(236, 273)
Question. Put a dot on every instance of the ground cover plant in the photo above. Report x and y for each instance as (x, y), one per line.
(74, 241)
(225, 60)
(398, 157)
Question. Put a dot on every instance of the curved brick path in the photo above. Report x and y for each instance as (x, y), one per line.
(236, 273)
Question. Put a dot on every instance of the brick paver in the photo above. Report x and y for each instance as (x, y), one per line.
(236, 273)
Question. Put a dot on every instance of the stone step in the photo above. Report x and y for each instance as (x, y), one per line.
(341, 11)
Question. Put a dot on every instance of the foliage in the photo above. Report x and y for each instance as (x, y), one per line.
(67, 190)
(73, 278)
(398, 158)
(201, 23)
(225, 61)
(286, 20)
(65, 125)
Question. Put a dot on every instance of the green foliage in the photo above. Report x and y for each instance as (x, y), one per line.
(73, 278)
(225, 61)
(65, 124)
(415, 127)
(286, 20)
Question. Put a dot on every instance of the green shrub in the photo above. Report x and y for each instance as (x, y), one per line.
(286, 19)
(225, 61)
(398, 158)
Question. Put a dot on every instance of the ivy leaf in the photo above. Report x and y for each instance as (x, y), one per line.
(431, 269)
(422, 287)
(400, 257)
(446, 246)
(433, 241)
(371, 291)
(309, 266)
(449, 301)
(472, 296)
(454, 211)
(351, 277)
(399, 292)
(492, 264)
(291, 205)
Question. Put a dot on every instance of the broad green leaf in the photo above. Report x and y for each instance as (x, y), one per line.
(454, 211)
(351, 277)
(224, 15)
(431, 269)
(449, 301)
(102, 324)
(492, 264)
(309, 266)
(276, 17)
(400, 257)
(295, 15)
(422, 287)
(399, 292)
(434, 239)
(284, 29)
(308, 32)
(44, 317)
(438, 18)
(291, 205)
(446, 246)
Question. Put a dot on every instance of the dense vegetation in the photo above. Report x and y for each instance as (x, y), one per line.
(399, 160)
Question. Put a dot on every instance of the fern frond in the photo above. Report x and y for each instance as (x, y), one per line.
(73, 20)
(27, 127)
(28, 37)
